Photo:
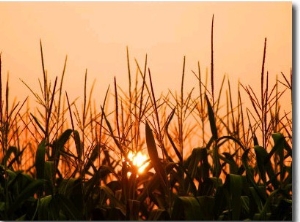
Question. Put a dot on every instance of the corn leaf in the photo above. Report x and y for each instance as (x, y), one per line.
(68, 207)
(77, 144)
(159, 214)
(192, 208)
(151, 146)
(234, 185)
(40, 160)
(212, 120)
(27, 192)
(113, 200)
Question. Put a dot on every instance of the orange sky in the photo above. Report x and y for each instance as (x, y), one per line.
(94, 35)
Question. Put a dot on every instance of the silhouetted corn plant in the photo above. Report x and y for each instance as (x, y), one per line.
(77, 166)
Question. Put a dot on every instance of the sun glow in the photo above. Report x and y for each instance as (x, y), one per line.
(139, 160)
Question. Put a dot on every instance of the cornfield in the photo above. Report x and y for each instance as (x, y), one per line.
(64, 161)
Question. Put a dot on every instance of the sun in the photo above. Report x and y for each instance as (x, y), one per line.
(139, 160)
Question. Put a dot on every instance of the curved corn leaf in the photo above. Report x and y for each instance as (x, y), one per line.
(208, 186)
(159, 214)
(234, 185)
(279, 138)
(78, 144)
(212, 120)
(233, 139)
(151, 146)
(261, 155)
(149, 187)
(91, 183)
(60, 142)
(57, 207)
(113, 200)
(10, 150)
(58, 145)
(170, 138)
(233, 167)
(255, 140)
(94, 155)
(265, 166)
(280, 145)
(250, 177)
(50, 209)
(38, 123)
(199, 155)
(40, 160)
(43, 209)
(192, 208)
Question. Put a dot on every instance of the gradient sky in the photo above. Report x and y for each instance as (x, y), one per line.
(94, 35)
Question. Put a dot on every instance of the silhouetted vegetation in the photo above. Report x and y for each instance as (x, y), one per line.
(65, 162)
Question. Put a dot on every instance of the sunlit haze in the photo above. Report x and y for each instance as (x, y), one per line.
(94, 36)
(139, 160)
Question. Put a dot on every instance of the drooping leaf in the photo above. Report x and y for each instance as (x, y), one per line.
(233, 167)
(10, 150)
(78, 144)
(94, 155)
(38, 123)
(58, 145)
(170, 138)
